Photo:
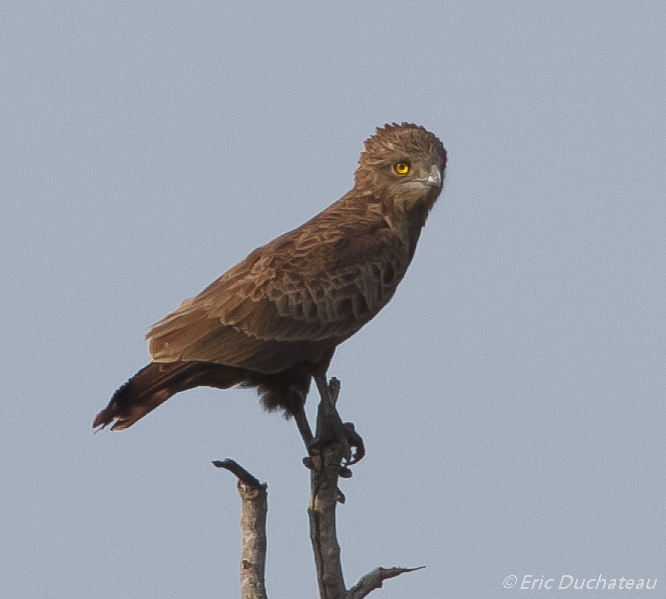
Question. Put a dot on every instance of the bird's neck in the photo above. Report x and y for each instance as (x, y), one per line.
(406, 221)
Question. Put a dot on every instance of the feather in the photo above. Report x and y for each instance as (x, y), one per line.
(275, 319)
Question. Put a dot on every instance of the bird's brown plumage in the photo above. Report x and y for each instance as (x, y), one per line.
(274, 320)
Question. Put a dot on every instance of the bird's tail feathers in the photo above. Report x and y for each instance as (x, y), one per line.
(156, 383)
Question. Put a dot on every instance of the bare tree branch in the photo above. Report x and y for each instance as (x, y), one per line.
(330, 453)
(332, 443)
(325, 494)
(254, 498)
(373, 580)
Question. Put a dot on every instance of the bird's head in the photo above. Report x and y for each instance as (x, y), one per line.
(403, 163)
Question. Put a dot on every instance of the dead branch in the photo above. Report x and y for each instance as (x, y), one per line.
(324, 496)
(330, 452)
(254, 497)
(373, 580)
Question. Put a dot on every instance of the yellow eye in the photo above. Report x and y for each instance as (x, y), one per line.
(402, 168)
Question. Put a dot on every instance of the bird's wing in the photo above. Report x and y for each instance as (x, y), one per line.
(309, 289)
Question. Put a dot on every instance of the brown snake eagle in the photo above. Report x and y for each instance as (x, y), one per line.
(274, 321)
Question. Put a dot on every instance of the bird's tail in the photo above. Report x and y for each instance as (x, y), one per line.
(156, 383)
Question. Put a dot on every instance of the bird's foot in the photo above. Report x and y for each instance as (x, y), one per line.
(330, 430)
(353, 448)
(353, 441)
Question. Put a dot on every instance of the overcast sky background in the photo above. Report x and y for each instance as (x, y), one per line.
(512, 394)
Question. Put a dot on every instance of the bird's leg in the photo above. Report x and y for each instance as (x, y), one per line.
(304, 429)
(343, 431)
(304, 426)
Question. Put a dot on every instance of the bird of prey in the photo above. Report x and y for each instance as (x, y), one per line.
(274, 321)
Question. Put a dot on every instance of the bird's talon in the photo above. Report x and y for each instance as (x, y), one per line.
(355, 441)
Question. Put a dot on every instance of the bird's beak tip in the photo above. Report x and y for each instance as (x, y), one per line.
(434, 177)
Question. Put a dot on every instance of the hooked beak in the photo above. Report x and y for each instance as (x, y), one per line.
(434, 177)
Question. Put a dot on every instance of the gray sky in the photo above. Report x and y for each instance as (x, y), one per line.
(512, 394)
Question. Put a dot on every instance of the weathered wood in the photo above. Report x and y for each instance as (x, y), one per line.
(330, 454)
(254, 497)
(324, 494)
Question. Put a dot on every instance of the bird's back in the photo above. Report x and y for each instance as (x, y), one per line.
(316, 285)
